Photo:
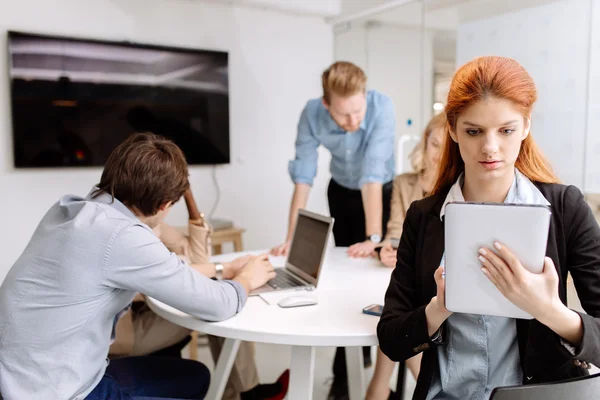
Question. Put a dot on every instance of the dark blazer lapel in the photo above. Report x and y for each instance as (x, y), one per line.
(432, 250)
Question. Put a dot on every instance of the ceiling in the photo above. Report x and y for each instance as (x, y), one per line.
(440, 16)
(437, 14)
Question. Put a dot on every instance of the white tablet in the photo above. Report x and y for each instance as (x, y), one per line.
(468, 227)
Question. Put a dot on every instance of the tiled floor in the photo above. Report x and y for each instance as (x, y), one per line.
(273, 359)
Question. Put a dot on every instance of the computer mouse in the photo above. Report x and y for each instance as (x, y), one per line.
(296, 301)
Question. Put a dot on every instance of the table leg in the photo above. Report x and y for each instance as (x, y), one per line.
(356, 378)
(302, 373)
(193, 346)
(237, 243)
(223, 369)
(218, 249)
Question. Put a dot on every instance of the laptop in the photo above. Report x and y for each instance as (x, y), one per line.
(523, 228)
(305, 257)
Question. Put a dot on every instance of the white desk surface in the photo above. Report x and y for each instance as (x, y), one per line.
(345, 287)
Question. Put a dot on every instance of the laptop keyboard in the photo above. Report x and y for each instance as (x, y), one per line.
(285, 280)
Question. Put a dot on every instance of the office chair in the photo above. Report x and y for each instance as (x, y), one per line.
(587, 387)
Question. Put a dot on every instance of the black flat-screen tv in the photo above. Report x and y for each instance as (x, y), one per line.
(74, 100)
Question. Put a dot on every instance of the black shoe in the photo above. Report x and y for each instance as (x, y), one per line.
(339, 390)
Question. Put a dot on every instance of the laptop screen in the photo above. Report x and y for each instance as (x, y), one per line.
(310, 240)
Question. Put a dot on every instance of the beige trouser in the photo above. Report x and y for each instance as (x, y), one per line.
(153, 333)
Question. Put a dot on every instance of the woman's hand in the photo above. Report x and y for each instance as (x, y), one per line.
(362, 249)
(387, 255)
(436, 311)
(536, 294)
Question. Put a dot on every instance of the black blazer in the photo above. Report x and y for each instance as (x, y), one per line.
(573, 245)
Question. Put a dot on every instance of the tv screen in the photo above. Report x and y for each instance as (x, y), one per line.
(73, 101)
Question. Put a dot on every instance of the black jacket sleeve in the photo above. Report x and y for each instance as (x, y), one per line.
(583, 262)
(402, 329)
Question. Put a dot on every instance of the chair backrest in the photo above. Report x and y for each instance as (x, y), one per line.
(404, 146)
(593, 200)
(587, 387)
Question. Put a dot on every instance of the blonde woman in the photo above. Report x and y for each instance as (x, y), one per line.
(407, 188)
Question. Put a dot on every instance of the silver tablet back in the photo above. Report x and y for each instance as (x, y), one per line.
(470, 226)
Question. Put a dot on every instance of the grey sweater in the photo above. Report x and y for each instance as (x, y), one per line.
(60, 300)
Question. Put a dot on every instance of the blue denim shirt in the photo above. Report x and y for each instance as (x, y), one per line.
(360, 157)
(482, 352)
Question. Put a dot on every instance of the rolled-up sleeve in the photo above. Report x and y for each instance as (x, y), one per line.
(137, 260)
(303, 169)
(380, 144)
(173, 239)
(397, 211)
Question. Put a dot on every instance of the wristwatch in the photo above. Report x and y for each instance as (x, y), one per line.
(375, 238)
(219, 271)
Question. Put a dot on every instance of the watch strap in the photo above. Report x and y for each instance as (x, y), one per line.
(219, 271)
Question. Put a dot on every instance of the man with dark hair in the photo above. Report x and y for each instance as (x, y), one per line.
(142, 332)
(80, 271)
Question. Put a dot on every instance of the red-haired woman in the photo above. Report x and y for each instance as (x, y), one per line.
(489, 156)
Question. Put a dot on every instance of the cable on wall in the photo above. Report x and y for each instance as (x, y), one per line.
(218, 190)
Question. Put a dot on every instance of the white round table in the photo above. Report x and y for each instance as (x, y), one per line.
(345, 287)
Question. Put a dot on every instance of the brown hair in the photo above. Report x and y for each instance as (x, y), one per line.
(343, 79)
(417, 155)
(499, 77)
(145, 172)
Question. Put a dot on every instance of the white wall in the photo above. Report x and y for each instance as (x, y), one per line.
(552, 42)
(592, 169)
(391, 57)
(275, 63)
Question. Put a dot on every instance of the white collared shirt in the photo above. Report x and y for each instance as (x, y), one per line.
(522, 191)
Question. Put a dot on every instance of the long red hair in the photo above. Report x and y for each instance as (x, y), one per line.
(499, 77)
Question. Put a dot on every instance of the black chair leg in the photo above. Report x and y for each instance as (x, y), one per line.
(399, 395)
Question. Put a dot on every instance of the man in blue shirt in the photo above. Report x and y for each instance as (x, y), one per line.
(358, 128)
